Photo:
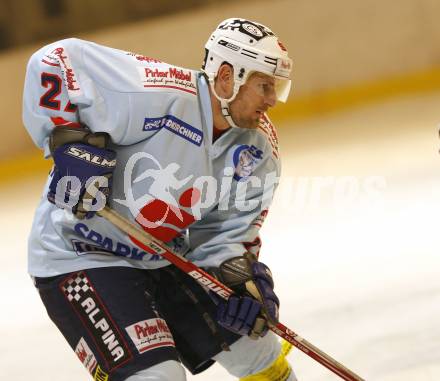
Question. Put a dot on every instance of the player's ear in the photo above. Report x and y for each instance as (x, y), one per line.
(224, 82)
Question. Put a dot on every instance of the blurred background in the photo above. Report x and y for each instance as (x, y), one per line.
(352, 237)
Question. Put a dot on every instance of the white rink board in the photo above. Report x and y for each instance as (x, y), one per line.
(358, 279)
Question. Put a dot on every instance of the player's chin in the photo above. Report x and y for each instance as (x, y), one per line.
(251, 123)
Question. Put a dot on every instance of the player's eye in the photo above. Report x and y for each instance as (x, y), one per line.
(266, 88)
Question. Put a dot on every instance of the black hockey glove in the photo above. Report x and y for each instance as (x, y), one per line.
(81, 154)
(255, 306)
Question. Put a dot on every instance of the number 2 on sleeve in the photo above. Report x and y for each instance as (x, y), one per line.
(49, 99)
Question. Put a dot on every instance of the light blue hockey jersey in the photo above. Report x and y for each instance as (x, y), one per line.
(206, 200)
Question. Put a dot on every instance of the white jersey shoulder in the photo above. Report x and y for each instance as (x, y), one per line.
(108, 89)
(114, 69)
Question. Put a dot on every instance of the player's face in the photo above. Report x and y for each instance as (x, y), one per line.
(255, 97)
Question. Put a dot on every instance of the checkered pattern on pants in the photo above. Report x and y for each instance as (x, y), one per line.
(74, 286)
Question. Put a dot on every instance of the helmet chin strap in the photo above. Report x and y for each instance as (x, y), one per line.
(224, 102)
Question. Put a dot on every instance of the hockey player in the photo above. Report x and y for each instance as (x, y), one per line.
(192, 157)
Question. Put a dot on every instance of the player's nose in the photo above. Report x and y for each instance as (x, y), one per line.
(270, 98)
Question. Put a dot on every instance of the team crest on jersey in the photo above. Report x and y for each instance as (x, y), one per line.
(245, 160)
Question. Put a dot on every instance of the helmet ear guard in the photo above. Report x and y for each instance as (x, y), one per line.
(224, 102)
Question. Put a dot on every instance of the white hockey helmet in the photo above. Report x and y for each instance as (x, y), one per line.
(248, 47)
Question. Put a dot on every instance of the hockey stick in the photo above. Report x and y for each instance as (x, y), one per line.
(220, 289)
